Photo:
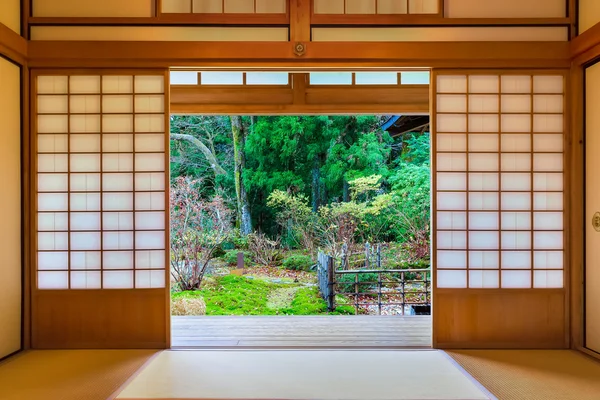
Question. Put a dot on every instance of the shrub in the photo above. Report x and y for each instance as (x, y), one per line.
(298, 262)
(188, 306)
(346, 282)
(230, 257)
(264, 250)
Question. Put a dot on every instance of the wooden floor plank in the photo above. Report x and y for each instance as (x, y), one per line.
(302, 331)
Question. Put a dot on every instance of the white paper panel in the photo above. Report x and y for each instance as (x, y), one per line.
(150, 259)
(451, 162)
(85, 201)
(516, 182)
(117, 201)
(483, 181)
(516, 279)
(548, 84)
(451, 279)
(118, 259)
(483, 123)
(483, 162)
(53, 202)
(330, 78)
(53, 162)
(85, 241)
(117, 162)
(548, 240)
(483, 103)
(451, 220)
(392, 6)
(85, 182)
(548, 201)
(85, 104)
(548, 279)
(151, 240)
(452, 84)
(85, 221)
(117, 104)
(483, 240)
(271, 78)
(415, 78)
(117, 123)
(548, 259)
(360, 6)
(516, 103)
(548, 142)
(86, 280)
(113, 221)
(149, 181)
(484, 84)
(86, 260)
(154, 201)
(117, 84)
(516, 84)
(85, 123)
(117, 182)
(548, 221)
(451, 240)
(516, 142)
(49, 143)
(149, 104)
(53, 241)
(185, 77)
(117, 241)
(154, 84)
(484, 279)
(122, 143)
(516, 240)
(548, 123)
(451, 142)
(484, 221)
(117, 279)
(548, 162)
(516, 201)
(149, 142)
(84, 143)
(329, 6)
(52, 105)
(53, 260)
(484, 260)
(176, 6)
(548, 182)
(451, 201)
(516, 260)
(52, 84)
(239, 6)
(53, 221)
(149, 279)
(516, 123)
(375, 78)
(483, 142)
(516, 162)
(53, 280)
(451, 103)
(84, 162)
(149, 123)
(482, 201)
(52, 124)
(154, 162)
(451, 181)
(548, 104)
(53, 183)
(150, 220)
(84, 84)
(451, 259)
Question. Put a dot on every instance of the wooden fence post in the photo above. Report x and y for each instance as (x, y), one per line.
(331, 284)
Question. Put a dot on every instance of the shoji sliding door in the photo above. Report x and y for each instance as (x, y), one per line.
(499, 209)
(101, 212)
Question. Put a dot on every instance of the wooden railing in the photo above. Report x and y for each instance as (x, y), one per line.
(386, 291)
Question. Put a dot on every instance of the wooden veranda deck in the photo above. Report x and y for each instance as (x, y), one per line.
(302, 331)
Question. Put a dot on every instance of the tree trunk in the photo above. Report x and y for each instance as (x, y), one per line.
(244, 220)
(346, 191)
(316, 184)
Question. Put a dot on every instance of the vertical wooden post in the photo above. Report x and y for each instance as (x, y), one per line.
(300, 11)
(367, 255)
(330, 284)
(379, 256)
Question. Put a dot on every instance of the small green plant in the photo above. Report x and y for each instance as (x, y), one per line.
(230, 257)
(298, 262)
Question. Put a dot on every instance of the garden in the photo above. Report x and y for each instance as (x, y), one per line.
(255, 199)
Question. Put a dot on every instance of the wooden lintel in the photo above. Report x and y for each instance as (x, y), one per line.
(430, 20)
(12, 45)
(281, 54)
(586, 46)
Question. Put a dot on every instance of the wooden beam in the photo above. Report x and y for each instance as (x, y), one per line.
(12, 45)
(430, 20)
(281, 54)
(586, 46)
(300, 20)
(167, 19)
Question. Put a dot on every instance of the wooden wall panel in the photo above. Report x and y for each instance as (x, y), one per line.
(506, 8)
(10, 208)
(92, 8)
(97, 319)
(10, 14)
(146, 33)
(592, 205)
(589, 14)
(499, 319)
(441, 34)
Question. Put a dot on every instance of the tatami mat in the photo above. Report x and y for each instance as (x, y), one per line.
(303, 374)
(533, 374)
(68, 374)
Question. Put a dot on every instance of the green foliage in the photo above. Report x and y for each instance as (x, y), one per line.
(230, 257)
(346, 283)
(308, 301)
(298, 262)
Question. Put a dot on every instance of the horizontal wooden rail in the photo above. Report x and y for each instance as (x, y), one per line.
(427, 20)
